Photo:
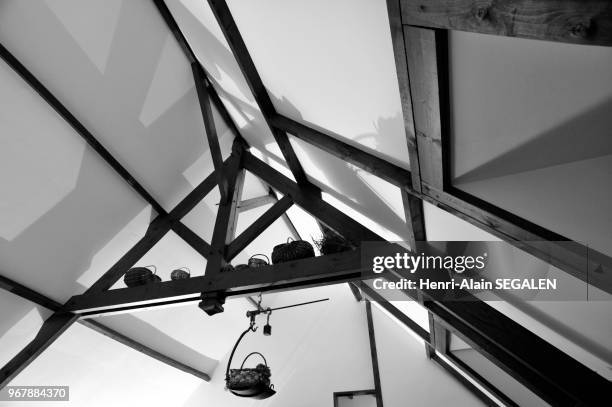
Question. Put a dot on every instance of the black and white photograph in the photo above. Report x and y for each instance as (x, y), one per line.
(305, 203)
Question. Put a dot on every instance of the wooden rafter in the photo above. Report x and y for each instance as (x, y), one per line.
(243, 58)
(51, 329)
(210, 129)
(401, 69)
(225, 222)
(346, 152)
(257, 227)
(46, 302)
(374, 354)
(322, 270)
(574, 21)
(256, 202)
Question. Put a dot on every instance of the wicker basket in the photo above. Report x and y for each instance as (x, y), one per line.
(180, 274)
(292, 250)
(249, 382)
(332, 243)
(138, 276)
(254, 261)
(227, 268)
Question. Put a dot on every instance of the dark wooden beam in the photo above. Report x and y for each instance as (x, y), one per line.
(243, 58)
(288, 222)
(174, 28)
(574, 21)
(44, 301)
(209, 124)
(26, 293)
(401, 68)
(374, 355)
(373, 295)
(225, 222)
(356, 291)
(311, 202)
(551, 374)
(80, 129)
(119, 337)
(189, 54)
(346, 152)
(192, 239)
(51, 329)
(255, 229)
(257, 202)
(415, 219)
(322, 270)
(157, 229)
(424, 47)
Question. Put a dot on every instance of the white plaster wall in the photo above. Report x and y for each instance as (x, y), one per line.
(530, 130)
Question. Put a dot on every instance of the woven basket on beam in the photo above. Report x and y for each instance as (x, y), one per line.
(292, 250)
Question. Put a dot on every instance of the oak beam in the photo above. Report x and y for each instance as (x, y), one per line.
(253, 203)
(401, 68)
(311, 202)
(255, 229)
(192, 239)
(424, 47)
(210, 129)
(573, 21)
(389, 172)
(51, 329)
(322, 270)
(225, 222)
(374, 354)
(243, 58)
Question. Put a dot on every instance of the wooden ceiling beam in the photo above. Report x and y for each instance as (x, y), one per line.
(46, 302)
(256, 202)
(369, 162)
(401, 69)
(322, 270)
(210, 129)
(257, 227)
(51, 329)
(247, 66)
(573, 21)
(311, 202)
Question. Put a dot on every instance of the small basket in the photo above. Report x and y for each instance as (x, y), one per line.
(137, 276)
(292, 250)
(257, 262)
(333, 243)
(227, 268)
(180, 274)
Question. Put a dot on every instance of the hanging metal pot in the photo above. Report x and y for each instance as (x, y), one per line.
(180, 274)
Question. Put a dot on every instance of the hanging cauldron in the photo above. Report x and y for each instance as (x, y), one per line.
(138, 276)
(180, 274)
(249, 382)
(292, 250)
